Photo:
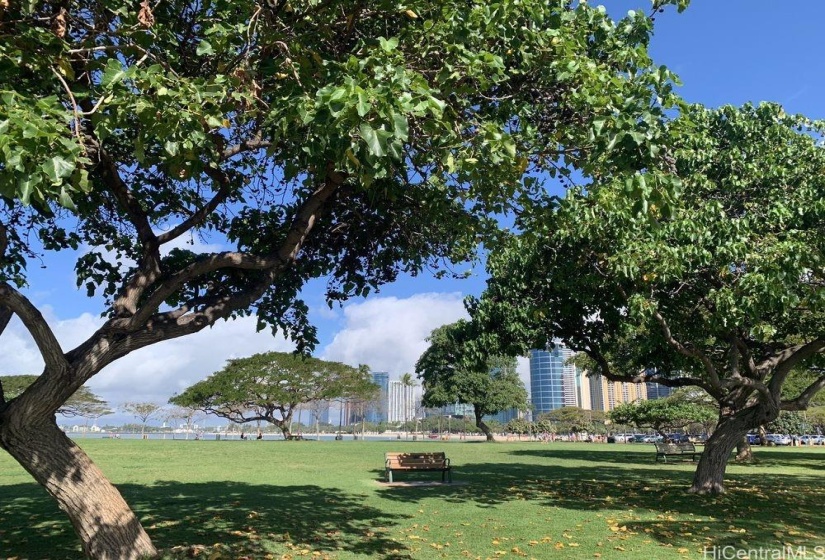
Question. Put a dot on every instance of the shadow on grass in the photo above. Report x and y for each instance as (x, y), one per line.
(759, 509)
(249, 519)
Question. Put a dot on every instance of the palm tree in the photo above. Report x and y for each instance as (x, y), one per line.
(408, 382)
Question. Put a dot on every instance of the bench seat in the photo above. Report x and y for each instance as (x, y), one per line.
(683, 450)
(418, 462)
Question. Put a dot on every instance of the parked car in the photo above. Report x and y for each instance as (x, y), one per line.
(677, 438)
(812, 439)
(620, 438)
(779, 439)
(652, 439)
(754, 439)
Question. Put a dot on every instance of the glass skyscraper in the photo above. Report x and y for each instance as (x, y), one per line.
(378, 411)
(552, 380)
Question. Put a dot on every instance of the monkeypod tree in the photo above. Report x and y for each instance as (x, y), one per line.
(574, 419)
(721, 289)
(270, 387)
(663, 415)
(349, 141)
(453, 370)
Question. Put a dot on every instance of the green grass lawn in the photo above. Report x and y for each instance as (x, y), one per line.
(230, 499)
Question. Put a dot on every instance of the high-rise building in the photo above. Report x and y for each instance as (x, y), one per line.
(506, 415)
(553, 382)
(605, 395)
(377, 412)
(656, 391)
(459, 409)
(402, 401)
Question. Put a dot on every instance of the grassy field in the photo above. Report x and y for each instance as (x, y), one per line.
(231, 499)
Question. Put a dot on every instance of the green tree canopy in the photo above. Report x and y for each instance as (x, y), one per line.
(574, 419)
(269, 387)
(452, 373)
(721, 290)
(663, 415)
(341, 140)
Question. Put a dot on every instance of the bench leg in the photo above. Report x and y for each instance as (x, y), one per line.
(389, 476)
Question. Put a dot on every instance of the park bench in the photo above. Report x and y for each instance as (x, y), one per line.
(685, 449)
(295, 438)
(417, 462)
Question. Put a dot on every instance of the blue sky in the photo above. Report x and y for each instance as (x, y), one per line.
(726, 52)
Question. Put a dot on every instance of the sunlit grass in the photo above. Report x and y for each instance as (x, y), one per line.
(322, 499)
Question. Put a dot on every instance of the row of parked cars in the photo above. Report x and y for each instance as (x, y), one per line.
(651, 438)
(753, 439)
(782, 439)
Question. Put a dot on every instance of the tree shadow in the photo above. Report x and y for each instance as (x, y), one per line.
(249, 519)
(758, 509)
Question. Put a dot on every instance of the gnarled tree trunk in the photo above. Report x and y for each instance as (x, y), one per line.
(107, 527)
(744, 453)
(730, 432)
(710, 472)
(484, 427)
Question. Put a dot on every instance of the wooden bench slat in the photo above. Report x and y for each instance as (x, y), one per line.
(683, 449)
(395, 461)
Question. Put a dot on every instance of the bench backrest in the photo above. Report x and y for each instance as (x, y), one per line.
(415, 460)
(685, 447)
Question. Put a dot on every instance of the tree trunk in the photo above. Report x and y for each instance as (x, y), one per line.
(107, 527)
(710, 472)
(730, 432)
(285, 429)
(484, 427)
(744, 453)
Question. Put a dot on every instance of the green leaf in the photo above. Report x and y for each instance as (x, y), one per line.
(401, 127)
(374, 144)
(25, 188)
(66, 200)
(363, 106)
(388, 45)
(204, 47)
(58, 168)
(113, 72)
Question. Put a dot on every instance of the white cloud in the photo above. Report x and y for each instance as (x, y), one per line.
(389, 334)
(152, 374)
(523, 369)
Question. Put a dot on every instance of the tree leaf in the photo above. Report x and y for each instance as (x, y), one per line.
(57, 168)
(204, 47)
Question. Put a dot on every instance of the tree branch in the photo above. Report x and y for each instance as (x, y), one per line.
(689, 352)
(35, 323)
(803, 400)
(754, 384)
(302, 225)
(248, 145)
(5, 317)
(196, 218)
(643, 377)
(121, 336)
(746, 354)
(149, 266)
(783, 362)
